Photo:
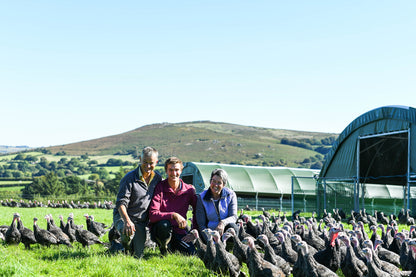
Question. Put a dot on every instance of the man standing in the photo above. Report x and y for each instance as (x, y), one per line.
(130, 216)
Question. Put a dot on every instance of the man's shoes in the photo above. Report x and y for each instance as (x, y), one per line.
(115, 247)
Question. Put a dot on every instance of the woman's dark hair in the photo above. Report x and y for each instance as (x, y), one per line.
(220, 173)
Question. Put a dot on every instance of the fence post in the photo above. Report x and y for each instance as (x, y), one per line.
(304, 203)
(324, 194)
(362, 196)
(293, 199)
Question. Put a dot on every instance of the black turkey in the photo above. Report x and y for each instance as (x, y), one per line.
(59, 234)
(13, 235)
(270, 256)
(201, 247)
(258, 266)
(373, 269)
(98, 228)
(86, 238)
(28, 236)
(351, 266)
(43, 237)
(211, 251)
(224, 262)
(312, 267)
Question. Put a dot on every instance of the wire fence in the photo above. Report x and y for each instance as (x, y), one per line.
(329, 194)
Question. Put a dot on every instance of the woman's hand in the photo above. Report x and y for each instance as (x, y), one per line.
(220, 228)
(180, 220)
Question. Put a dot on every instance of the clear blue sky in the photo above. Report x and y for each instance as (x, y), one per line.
(77, 70)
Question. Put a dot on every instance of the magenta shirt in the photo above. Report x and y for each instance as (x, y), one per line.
(165, 202)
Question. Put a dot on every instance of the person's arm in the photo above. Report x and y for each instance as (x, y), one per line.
(129, 227)
(124, 192)
(232, 210)
(123, 200)
(193, 205)
(201, 217)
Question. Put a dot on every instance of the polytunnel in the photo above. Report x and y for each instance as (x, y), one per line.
(377, 152)
(266, 183)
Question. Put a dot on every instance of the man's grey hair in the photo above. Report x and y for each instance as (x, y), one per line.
(149, 152)
(220, 173)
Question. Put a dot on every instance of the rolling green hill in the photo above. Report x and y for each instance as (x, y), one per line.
(206, 141)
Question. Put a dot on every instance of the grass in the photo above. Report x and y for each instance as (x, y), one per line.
(16, 188)
(77, 261)
(95, 261)
(14, 182)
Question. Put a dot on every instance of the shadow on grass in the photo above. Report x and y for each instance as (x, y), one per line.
(79, 252)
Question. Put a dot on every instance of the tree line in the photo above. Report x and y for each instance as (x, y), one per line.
(70, 176)
(26, 165)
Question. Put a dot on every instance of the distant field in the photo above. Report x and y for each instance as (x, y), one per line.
(17, 188)
(14, 182)
(101, 159)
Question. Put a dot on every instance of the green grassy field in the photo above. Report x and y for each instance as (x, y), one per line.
(77, 261)
(95, 261)
(16, 188)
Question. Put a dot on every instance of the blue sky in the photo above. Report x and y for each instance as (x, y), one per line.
(77, 70)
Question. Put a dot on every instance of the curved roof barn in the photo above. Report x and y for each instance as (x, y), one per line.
(377, 147)
(251, 180)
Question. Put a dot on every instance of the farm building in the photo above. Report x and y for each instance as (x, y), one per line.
(372, 164)
(268, 187)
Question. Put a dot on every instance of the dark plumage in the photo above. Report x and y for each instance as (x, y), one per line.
(114, 237)
(296, 239)
(385, 254)
(73, 225)
(28, 237)
(43, 237)
(242, 230)
(312, 267)
(258, 266)
(59, 234)
(351, 266)
(211, 251)
(86, 238)
(373, 269)
(98, 228)
(266, 213)
(62, 224)
(200, 246)
(383, 265)
(407, 260)
(239, 249)
(13, 235)
(288, 253)
(224, 262)
(252, 229)
(313, 239)
(69, 231)
(270, 256)
(330, 256)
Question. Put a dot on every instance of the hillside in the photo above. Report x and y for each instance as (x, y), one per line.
(205, 141)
